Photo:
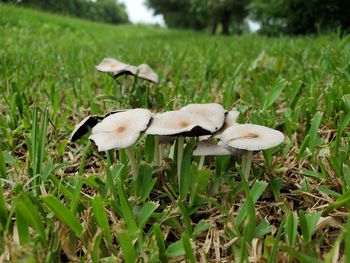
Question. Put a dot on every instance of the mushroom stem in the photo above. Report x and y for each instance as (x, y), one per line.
(132, 161)
(156, 150)
(246, 163)
(180, 152)
(201, 162)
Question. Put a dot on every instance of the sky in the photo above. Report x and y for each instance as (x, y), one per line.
(138, 12)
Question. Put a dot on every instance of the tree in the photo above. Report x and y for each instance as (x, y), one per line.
(299, 16)
(202, 14)
(110, 11)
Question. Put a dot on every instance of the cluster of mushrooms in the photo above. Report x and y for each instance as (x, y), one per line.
(217, 131)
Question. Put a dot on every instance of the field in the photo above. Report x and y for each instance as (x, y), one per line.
(65, 201)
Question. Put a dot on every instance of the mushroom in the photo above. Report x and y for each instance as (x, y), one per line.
(181, 124)
(118, 68)
(86, 124)
(212, 111)
(251, 137)
(121, 130)
(230, 120)
(111, 65)
(208, 148)
(145, 72)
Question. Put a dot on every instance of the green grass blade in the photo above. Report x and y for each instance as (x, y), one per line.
(75, 200)
(347, 240)
(145, 213)
(42, 140)
(160, 242)
(300, 256)
(291, 228)
(125, 242)
(188, 248)
(101, 218)
(34, 141)
(276, 245)
(257, 189)
(63, 213)
(176, 249)
(2, 165)
(186, 171)
(30, 213)
(272, 96)
(126, 210)
(3, 209)
(22, 228)
(314, 130)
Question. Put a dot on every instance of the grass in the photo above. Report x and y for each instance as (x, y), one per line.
(64, 201)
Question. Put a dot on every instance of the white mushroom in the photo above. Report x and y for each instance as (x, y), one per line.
(208, 148)
(111, 65)
(181, 124)
(117, 68)
(121, 130)
(145, 72)
(84, 126)
(251, 137)
(87, 123)
(211, 111)
(230, 120)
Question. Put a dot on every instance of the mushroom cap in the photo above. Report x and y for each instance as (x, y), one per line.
(128, 70)
(180, 123)
(206, 148)
(121, 129)
(251, 137)
(230, 120)
(84, 126)
(212, 111)
(111, 65)
(145, 72)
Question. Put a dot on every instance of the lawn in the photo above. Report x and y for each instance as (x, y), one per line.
(62, 200)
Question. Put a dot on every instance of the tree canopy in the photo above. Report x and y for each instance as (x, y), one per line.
(274, 16)
(299, 16)
(109, 11)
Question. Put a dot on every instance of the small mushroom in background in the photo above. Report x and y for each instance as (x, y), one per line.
(145, 72)
(251, 137)
(180, 124)
(86, 125)
(111, 65)
(208, 148)
(118, 68)
(121, 130)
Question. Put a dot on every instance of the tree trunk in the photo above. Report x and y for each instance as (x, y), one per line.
(214, 26)
(225, 22)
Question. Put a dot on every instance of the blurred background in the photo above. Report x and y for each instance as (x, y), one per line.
(269, 17)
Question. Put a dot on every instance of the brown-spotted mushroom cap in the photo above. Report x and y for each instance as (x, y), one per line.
(120, 130)
(145, 72)
(251, 137)
(86, 124)
(211, 111)
(111, 65)
(207, 148)
(180, 123)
